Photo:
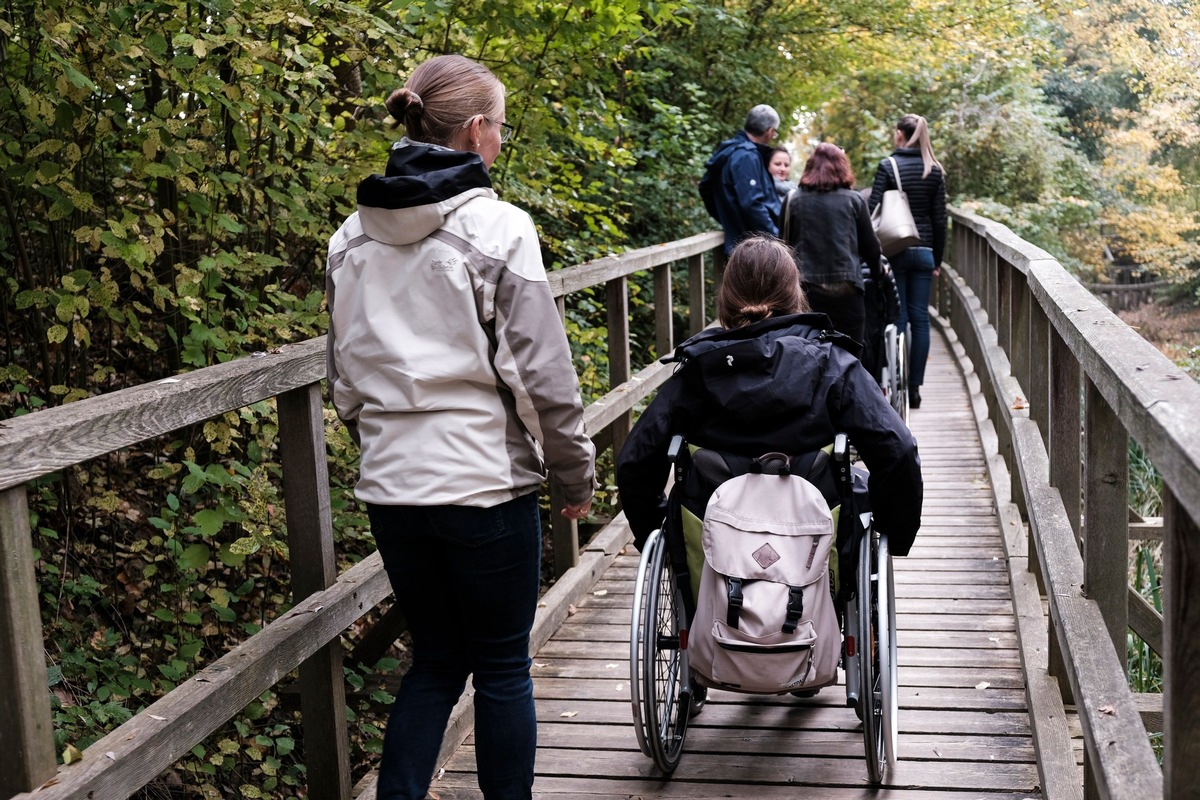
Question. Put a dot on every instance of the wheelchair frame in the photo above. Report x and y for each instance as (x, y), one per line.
(895, 370)
(662, 694)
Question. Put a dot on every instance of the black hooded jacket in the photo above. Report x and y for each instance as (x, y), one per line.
(782, 384)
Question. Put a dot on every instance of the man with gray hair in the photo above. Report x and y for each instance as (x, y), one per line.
(737, 188)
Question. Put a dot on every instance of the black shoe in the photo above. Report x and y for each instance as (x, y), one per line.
(807, 693)
(914, 397)
(699, 696)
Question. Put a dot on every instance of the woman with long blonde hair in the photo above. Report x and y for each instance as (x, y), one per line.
(924, 181)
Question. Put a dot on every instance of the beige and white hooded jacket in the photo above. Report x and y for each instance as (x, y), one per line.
(446, 354)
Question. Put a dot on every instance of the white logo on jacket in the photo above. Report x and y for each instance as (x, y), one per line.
(443, 266)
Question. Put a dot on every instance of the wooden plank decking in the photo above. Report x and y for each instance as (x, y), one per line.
(964, 727)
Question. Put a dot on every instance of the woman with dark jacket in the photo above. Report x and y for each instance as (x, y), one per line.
(829, 229)
(924, 181)
(784, 384)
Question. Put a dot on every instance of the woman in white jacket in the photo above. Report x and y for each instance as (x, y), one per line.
(449, 364)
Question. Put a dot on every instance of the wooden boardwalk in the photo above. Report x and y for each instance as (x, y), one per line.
(964, 727)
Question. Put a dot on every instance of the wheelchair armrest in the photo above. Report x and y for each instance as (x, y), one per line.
(673, 451)
(841, 464)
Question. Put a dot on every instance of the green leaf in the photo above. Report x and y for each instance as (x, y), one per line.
(230, 558)
(245, 546)
(209, 521)
(164, 615)
(194, 556)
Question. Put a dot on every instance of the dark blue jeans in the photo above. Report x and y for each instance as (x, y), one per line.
(914, 283)
(467, 581)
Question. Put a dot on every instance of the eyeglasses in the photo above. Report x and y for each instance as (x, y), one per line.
(506, 130)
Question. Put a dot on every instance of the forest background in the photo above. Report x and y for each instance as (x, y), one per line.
(170, 173)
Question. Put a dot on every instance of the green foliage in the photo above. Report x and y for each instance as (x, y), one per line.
(170, 174)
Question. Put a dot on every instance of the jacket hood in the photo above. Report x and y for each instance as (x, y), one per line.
(811, 325)
(721, 154)
(422, 183)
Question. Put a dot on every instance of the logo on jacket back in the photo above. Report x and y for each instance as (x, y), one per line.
(443, 266)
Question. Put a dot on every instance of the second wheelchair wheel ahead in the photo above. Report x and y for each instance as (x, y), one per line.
(900, 402)
(665, 698)
(886, 625)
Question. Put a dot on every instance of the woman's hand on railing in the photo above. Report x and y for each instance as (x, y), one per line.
(578, 511)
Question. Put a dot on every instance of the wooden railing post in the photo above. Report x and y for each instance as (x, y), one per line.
(310, 542)
(1181, 621)
(1106, 516)
(664, 312)
(26, 732)
(619, 363)
(1066, 453)
(695, 294)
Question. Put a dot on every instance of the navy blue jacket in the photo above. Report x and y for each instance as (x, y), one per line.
(741, 190)
(779, 385)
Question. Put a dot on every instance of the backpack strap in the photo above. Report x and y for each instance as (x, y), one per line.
(785, 230)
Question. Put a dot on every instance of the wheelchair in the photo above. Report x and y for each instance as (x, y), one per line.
(885, 351)
(665, 694)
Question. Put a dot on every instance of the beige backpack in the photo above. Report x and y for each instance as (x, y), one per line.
(765, 621)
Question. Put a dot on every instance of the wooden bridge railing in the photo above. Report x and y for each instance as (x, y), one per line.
(1067, 385)
(324, 603)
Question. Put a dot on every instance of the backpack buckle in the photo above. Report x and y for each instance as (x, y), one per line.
(734, 594)
(795, 609)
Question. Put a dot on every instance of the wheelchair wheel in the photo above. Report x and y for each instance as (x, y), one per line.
(636, 636)
(901, 396)
(658, 664)
(895, 381)
(873, 641)
(886, 608)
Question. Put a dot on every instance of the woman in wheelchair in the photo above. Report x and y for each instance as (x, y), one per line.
(772, 384)
(786, 382)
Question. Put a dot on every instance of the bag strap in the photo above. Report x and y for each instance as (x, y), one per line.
(896, 173)
(787, 215)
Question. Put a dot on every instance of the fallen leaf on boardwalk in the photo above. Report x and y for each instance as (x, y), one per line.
(937, 752)
(539, 664)
(541, 605)
(111, 755)
(620, 687)
(1019, 403)
(600, 592)
(982, 685)
(571, 609)
(611, 666)
(72, 754)
(1112, 712)
(993, 638)
(569, 714)
(157, 717)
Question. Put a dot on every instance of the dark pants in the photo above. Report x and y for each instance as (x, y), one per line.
(467, 581)
(914, 283)
(843, 303)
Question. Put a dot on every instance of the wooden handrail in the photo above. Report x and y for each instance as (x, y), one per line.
(325, 604)
(1055, 363)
